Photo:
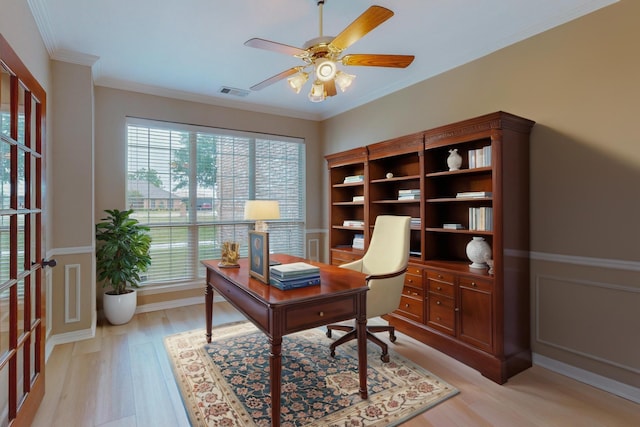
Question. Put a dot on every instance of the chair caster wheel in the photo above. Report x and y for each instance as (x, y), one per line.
(384, 358)
(333, 353)
(328, 333)
(392, 338)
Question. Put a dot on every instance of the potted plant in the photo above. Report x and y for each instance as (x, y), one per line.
(122, 253)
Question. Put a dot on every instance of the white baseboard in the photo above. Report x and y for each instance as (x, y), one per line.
(603, 383)
(67, 337)
(169, 304)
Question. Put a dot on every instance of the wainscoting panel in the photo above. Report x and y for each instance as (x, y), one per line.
(72, 284)
(589, 318)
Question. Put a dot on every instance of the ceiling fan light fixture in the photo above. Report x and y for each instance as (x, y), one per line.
(317, 93)
(325, 69)
(298, 80)
(344, 80)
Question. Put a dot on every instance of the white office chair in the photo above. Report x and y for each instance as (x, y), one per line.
(385, 264)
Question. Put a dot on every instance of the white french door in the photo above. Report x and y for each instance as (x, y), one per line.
(22, 329)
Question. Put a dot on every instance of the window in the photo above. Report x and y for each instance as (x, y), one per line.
(189, 185)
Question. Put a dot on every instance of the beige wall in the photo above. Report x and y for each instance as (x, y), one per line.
(580, 83)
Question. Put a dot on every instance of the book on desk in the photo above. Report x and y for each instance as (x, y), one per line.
(294, 275)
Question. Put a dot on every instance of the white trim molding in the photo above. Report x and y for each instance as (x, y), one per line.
(603, 383)
(72, 285)
(616, 264)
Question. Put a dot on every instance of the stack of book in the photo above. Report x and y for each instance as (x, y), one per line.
(473, 194)
(294, 275)
(358, 241)
(357, 223)
(411, 194)
(353, 178)
(358, 199)
(416, 223)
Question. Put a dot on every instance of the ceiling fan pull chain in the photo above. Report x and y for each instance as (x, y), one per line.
(320, 6)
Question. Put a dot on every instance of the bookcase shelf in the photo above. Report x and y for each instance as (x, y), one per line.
(486, 320)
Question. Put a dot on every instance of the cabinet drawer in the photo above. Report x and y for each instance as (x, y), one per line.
(441, 277)
(412, 292)
(441, 313)
(484, 285)
(411, 308)
(414, 280)
(311, 316)
(441, 288)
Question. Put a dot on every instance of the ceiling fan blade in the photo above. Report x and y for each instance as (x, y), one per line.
(366, 22)
(275, 47)
(330, 87)
(276, 78)
(373, 60)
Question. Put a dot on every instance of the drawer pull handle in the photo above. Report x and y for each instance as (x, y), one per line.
(456, 309)
(439, 288)
(438, 318)
(321, 314)
(409, 280)
(474, 284)
(415, 294)
(439, 276)
(438, 302)
(406, 305)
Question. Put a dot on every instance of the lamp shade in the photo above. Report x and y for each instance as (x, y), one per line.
(261, 209)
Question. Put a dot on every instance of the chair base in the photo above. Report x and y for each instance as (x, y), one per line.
(351, 334)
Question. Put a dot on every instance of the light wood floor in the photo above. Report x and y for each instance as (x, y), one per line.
(122, 378)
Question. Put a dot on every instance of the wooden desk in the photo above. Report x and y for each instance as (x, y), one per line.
(341, 296)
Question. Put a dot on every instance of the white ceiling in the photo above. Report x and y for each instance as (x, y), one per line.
(189, 49)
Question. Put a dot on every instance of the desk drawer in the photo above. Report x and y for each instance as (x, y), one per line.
(252, 308)
(313, 315)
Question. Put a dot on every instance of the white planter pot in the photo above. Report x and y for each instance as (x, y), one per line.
(119, 309)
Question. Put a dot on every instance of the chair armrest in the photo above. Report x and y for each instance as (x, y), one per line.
(385, 276)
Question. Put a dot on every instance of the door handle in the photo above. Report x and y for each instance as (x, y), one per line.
(48, 263)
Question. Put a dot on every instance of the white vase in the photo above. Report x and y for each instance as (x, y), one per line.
(454, 161)
(119, 309)
(478, 251)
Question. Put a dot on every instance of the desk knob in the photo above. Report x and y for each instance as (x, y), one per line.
(321, 314)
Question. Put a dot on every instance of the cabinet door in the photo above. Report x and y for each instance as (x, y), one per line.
(476, 313)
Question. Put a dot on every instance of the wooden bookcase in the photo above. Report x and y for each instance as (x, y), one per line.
(479, 318)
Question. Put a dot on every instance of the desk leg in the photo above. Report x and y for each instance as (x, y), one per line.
(275, 370)
(208, 302)
(361, 332)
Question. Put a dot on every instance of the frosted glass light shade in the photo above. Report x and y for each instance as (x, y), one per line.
(317, 92)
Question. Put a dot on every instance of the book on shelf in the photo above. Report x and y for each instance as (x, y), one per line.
(481, 218)
(465, 194)
(353, 178)
(452, 226)
(352, 223)
(358, 199)
(409, 197)
(299, 282)
(415, 222)
(358, 241)
(409, 191)
(415, 253)
(294, 270)
(480, 157)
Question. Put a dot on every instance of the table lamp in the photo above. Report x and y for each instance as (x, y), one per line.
(261, 210)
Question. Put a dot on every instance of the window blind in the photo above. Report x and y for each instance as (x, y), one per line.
(189, 184)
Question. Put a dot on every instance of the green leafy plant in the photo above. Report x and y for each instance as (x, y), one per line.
(122, 251)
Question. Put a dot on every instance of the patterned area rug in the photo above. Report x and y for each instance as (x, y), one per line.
(226, 383)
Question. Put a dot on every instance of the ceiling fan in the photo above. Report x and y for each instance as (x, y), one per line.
(322, 54)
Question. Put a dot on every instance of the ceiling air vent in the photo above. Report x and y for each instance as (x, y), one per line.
(234, 91)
